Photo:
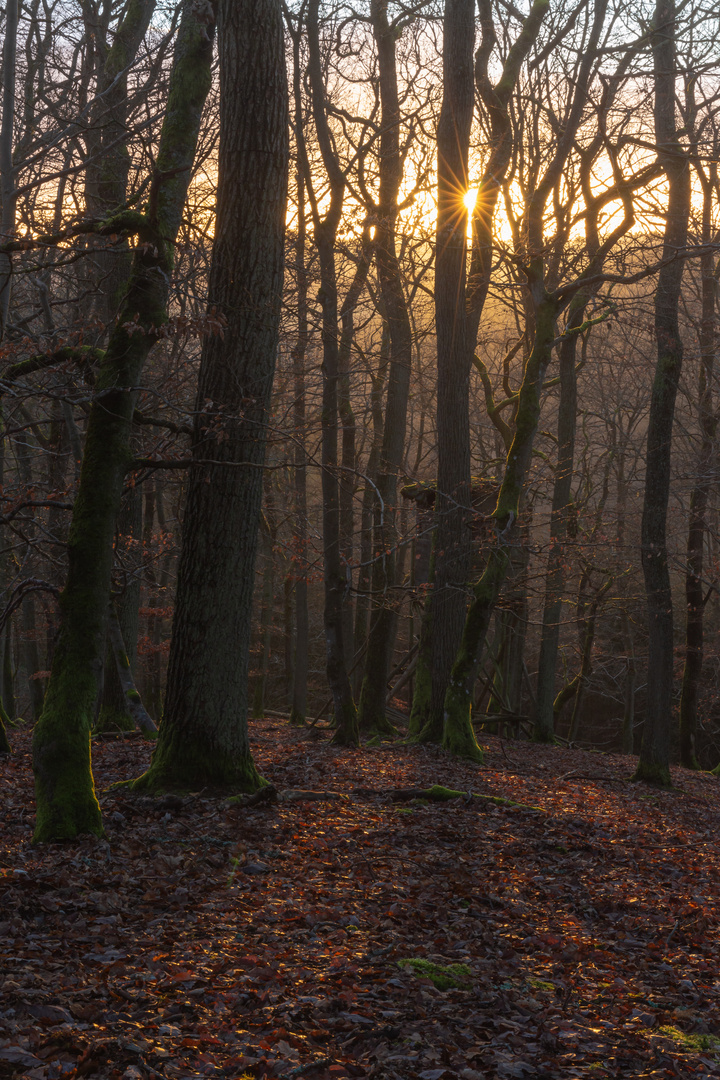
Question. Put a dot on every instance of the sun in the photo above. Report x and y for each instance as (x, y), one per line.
(469, 198)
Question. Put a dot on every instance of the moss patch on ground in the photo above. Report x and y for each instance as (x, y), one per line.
(443, 976)
(693, 1043)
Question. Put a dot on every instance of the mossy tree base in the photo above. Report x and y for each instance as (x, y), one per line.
(111, 720)
(297, 719)
(544, 736)
(66, 804)
(655, 774)
(458, 736)
(197, 768)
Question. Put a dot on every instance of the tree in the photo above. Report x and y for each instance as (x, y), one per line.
(203, 738)
(654, 763)
(384, 617)
(66, 801)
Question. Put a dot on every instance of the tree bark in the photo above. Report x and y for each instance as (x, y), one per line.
(66, 801)
(115, 713)
(132, 703)
(694, 598)
(336, 579)
(654, 764)
(454, 352)
(203, 740)
(562, 488)
(383, 621)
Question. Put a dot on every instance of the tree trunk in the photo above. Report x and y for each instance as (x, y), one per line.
(654, 764)
(132, 704)
(298, 704)
(8, 196)
(66, 801)
(458, 736)
(203, 740)
(454, 353)
(695, 600)
(628, 725)
(383, 621)
(336, 578)
(562, 488)
(265, 629)
(115, 713)
(369, 501)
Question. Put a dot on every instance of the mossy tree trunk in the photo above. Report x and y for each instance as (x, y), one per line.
(383, 623)
(66, 801)
(457, 336)
(654, 764)
(458, 736)
(203, 739)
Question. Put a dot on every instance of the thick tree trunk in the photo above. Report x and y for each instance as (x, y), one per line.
(203, 738)
(66, 801)
(654, 763)
(383, 622)
(454, 353)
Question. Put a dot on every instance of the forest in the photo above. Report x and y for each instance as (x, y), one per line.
(359, 519)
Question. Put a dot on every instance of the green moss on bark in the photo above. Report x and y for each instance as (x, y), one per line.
(458, 733)
(66, 804)
(656, 774)
(111, 719)
(195, 768)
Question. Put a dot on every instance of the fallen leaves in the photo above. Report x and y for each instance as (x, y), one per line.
(299, 937)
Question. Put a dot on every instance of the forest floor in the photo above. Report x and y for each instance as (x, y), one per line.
(578, 932)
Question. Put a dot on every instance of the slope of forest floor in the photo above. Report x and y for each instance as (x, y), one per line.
(578, 933)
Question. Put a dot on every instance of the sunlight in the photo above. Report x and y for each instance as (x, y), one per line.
(469, 198)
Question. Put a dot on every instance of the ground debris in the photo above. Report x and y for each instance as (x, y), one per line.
(304, 937)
